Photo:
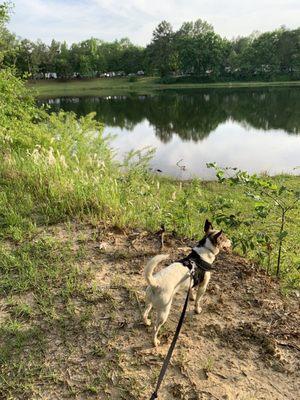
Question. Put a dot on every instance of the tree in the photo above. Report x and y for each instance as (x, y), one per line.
(264, 50)
(162, 51)
(194, 49)
(39, 58)
(193, 29)
(289, 50)
(53, 51)
(6, 38)
(132, 59)
(5, 9)
(23, 61)
(200, 50)
(63, 66)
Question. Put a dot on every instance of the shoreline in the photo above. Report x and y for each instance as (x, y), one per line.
(143, 86)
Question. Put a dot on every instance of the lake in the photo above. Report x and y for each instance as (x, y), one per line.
(255, 129)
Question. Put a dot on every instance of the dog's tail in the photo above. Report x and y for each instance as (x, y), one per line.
(151, 264)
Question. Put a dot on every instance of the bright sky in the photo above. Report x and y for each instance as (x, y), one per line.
(76, 20)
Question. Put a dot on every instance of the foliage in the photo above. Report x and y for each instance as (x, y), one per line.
(270, 199)
(162, 52)
(88, 58)
(194, 50)
(18, 113)
(133, 79)
(201, 51)
(4, 14)
(7, 40)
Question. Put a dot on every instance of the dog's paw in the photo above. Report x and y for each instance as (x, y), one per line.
(147, 322)
(198, 310)
(156, 342)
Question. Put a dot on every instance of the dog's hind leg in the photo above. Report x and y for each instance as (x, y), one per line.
(146, 320)
(201, 290)
(162, 316)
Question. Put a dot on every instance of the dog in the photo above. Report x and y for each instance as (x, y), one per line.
(165, 284)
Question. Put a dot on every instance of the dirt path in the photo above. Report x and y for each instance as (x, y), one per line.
(245, 344)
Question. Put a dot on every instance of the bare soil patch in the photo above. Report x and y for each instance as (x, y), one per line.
(245, 344)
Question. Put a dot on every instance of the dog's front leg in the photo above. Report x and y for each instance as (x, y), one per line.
(201, 290)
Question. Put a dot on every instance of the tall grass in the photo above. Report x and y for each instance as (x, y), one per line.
(54, 168)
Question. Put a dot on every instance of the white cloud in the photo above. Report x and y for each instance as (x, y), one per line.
(74, 20)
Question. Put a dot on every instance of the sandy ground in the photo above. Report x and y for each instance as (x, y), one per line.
(244, 345)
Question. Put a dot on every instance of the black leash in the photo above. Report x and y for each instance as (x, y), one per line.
(172, 346)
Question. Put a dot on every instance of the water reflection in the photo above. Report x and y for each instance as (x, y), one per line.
(253, 129)
(193, 115)
(255, 151)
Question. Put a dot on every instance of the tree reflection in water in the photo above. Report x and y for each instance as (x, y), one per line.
(193, 114)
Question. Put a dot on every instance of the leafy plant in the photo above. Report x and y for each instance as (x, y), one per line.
(269, 199)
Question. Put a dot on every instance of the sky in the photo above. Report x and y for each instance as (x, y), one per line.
(76, 20)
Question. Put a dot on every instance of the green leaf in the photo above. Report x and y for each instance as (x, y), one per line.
(282, 235)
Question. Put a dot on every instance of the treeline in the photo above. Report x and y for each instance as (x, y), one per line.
(194, 52)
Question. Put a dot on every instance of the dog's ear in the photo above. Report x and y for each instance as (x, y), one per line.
(214, 238)
(208, 226)
(218, 234)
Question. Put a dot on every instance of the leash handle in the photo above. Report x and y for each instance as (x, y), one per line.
(172, 346)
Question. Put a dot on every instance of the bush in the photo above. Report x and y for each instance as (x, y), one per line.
(132, 79)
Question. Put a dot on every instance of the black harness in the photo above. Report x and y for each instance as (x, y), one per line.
(197, 266)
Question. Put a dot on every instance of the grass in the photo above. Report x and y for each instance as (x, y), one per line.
(44, 189)
(118, 86)
(58, 170)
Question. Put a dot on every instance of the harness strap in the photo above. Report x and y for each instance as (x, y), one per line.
(197, 266)
(172, 346)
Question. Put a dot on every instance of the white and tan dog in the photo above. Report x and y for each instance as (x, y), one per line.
(166, 283)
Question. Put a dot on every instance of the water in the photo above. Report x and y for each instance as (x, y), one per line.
(257, 130)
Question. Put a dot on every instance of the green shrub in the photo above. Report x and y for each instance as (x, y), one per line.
(132, 79)
(168, 80)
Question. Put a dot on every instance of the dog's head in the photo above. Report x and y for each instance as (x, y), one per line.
(214, 239)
